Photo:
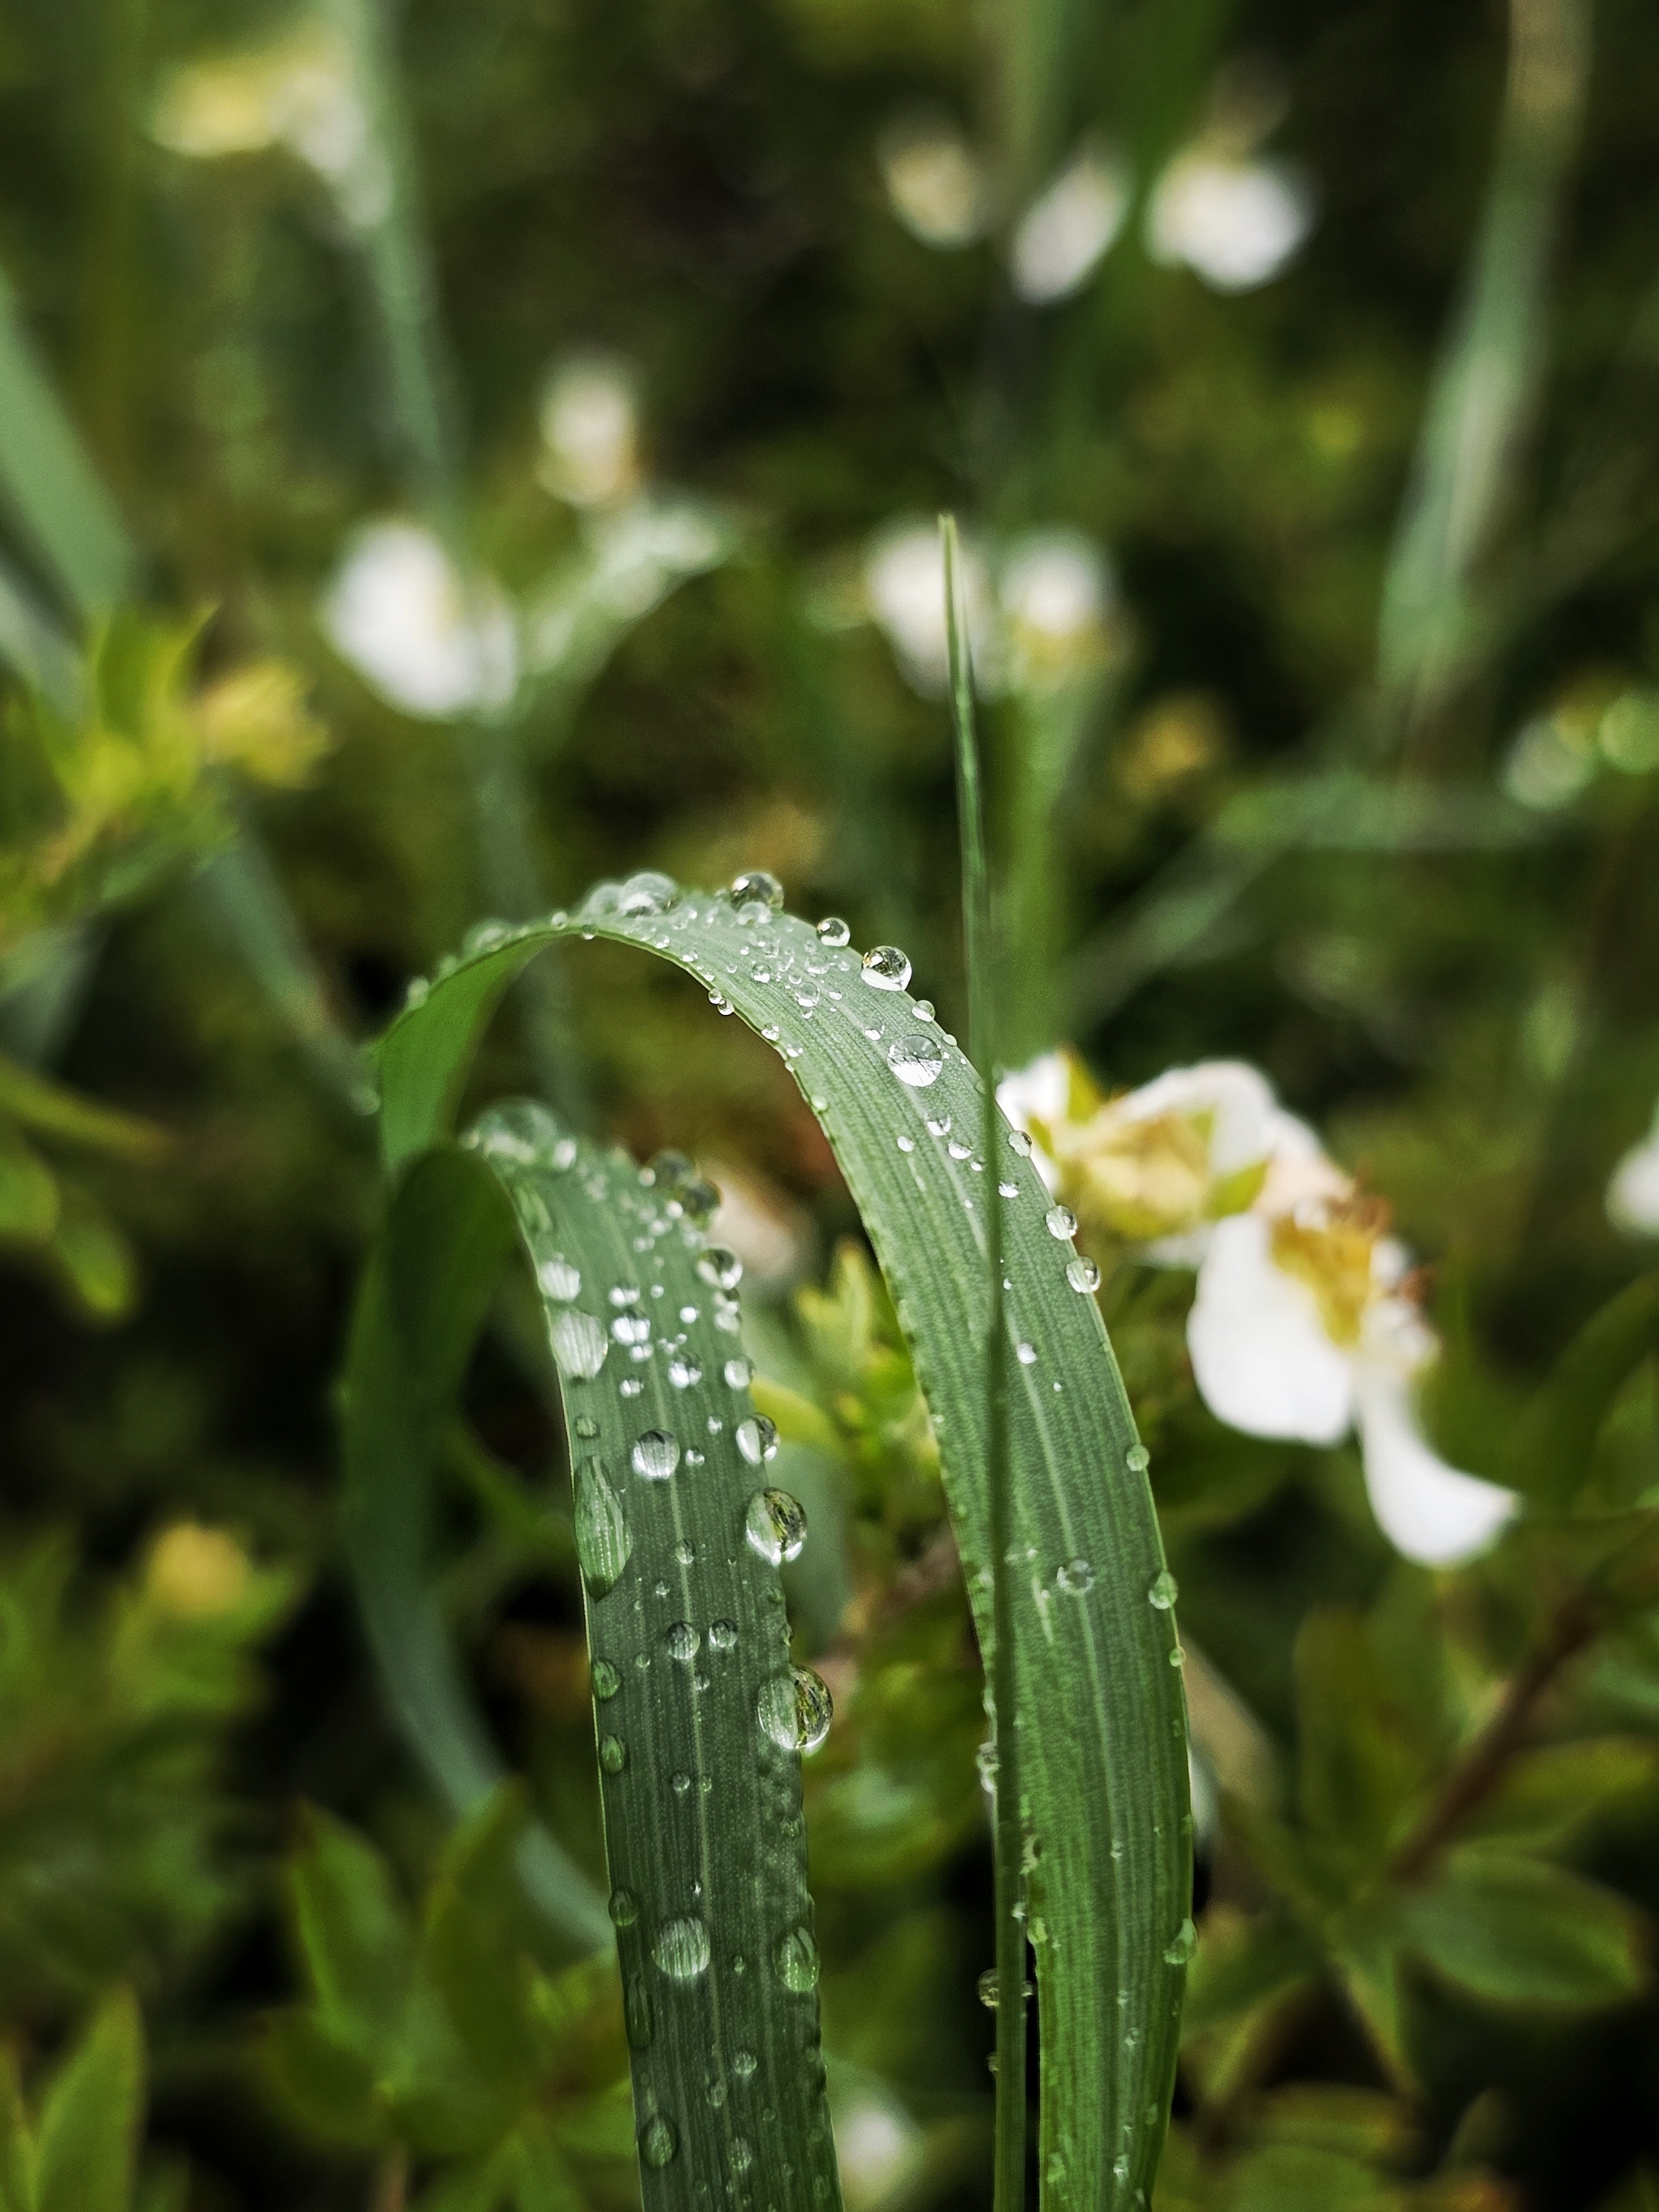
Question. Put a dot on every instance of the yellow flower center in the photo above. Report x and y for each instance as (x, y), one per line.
(1329, 1247)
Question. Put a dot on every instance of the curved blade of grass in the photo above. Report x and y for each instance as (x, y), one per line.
(695, 1701)
(1099, 1704)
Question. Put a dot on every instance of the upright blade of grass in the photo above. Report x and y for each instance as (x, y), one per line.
(1488, 376)
(984, 981)
(1098, 1697)
(700, 1715)
(33, 645)
(61, 507)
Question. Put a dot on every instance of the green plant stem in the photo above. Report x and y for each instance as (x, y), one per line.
(982, 1014)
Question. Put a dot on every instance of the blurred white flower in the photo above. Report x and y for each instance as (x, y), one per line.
(1234, 223)
(1633, 1188)
(590, 426)
(298, 92)
(904, 588)
(399, 613)
(1549, 764)
(934, 181)
(634, 555)
(1305, 1322)
(878, 2147)
(1056, 589)
(1065, 231)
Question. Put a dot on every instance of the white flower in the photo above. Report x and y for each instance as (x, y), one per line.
(633, 557)
(934, 181)
(1066, 230)
(1633, 1188)
(1033, 1099)
(1056, 588)
(590, 428)
(1235, 223)
(878, 2147)
(904, 585)
(399, 613)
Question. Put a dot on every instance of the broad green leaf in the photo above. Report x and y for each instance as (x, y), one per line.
(1099, 1698)
(1547, 1794)
(328, 2085)
(354, 1934)
(1358, 1765)
(1239, 1962)
(475, 1945)
(1555, 1449)
(16, 2144)
(1519, 1931)
(88, 2139)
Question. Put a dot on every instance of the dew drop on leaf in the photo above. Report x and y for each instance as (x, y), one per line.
(1026, 1354)
(659, 2140)
(1061, 1221)
(681, 1642)
(758, 1439)
(613, 1754)
(775, 1525)
(886, 967)
(795, 1709)
(648, 893)
(739, 1374)
(656, 1456)
(1162, 1591)
(683, 1373)
(744, 2065)
(638, 2014)
(631, 1329)
(579, 1344)
(916, 1059)
(796, 1958)
(1077, 1576)
(681, 1949)
(1181, 1945)
(758, 884)
(720, 1267)
(1137, 1458)
(723, 1636)
(604, 1538)
(833, 931)
(606, 1681)
(558, 1278)
(1020, 1143)
(586, 1427)
(1083, 1274)
(624, 1908)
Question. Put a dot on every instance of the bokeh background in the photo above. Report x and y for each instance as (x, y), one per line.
(450, 454)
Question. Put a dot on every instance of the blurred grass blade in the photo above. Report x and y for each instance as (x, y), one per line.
(1488, 377)
(1008, 1793)
(62, 508)
(1098, 1698)
(422, 1302)
(31, 644)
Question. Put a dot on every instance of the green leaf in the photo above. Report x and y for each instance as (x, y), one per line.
(328, 2084)
(16, 2144)
(1359, 1764)
(476, 1945)
(353, 1932)
(1547, 1796)
(88, 2139)
(1555, 1449)
(1239, 1962)
(1099, 1702)
(1519, 1931)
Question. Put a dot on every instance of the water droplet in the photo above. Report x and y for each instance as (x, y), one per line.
(1162, 1591)
(613, 1754)
(658, 2143)
(624, 1908)
(796, 1958)
(721, 1268)
(681, 1949)
(579, 1344)
(1007, 1190)
(775, 1525)
(416, 992)
(925, 1010)
(604, 1538)
(723, 1636)
(1020, 1143)
(795, 1709)
(758, 1439)
(558, 1280)
(1077, 1576)
(682, 1643)
(742, 2157)
(656, 1456)
(605, 1678)
(916, 1059)
(886, 969)
(758, 884)
(739, 1374)
(939, 1125)
(744, 2065)
(1083, 1274)
(631, 1329)
(989, 1986)
(1137, 1458)
(1026, 1354)
(1177, 1656)
(679, 1782)
(907, 1144)
(648, 893)
(833, 931)
(1181, 1945)
(683, 1372)
(632, 1387)
(1061, 1221)
(586, 1427)
(638, 2013)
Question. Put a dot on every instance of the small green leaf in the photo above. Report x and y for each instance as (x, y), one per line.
(88, 2139)
(476, 1944)
(1548, 1795)
(1241, 1962)
(353, 1932)
(1359, 1765)
(1519, 1931)
(16, 2143)
(1554, 1449)
(329, 2086)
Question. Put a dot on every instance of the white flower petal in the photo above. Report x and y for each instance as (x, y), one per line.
(398, 611)
(1039, 1092)
(1238, 1099)
(589, 425)
(935, 181)
(1633, 1190)
(1429, 1512)
(1237, 224)
(904, 583)
(1262, 1358)
(1063, 235)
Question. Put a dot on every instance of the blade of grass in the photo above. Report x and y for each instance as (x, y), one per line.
(1099, 1697)
(983, 979)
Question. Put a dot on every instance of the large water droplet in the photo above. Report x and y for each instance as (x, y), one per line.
(916, 1059)
(758, 884)
(743, 2156)
(558, 1278)
(886, 967)
(1020, 1143)
(624, 1908)
(758, 1439)
(604, 1538)
(744, 2065)
(833, 931)
(795, 1709)
(796, 1958)
(683, 1372)
(606, 1681)
(1137, 1458)
(720, 1267)
(1162, 1591)
(1181, 1945)
(659, 2140)
(1026, 1354)
(648, 893)
(520, 1130)
(739, 1374)
(631, 1329)
(656, 1456)
(681, 1949)
(1083, 1274)
(1077, 1576)
(723, 1636)
(775, 1525)
(682, 1643)
(1061, 1221)
(579, 1344)
(613, 1754)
